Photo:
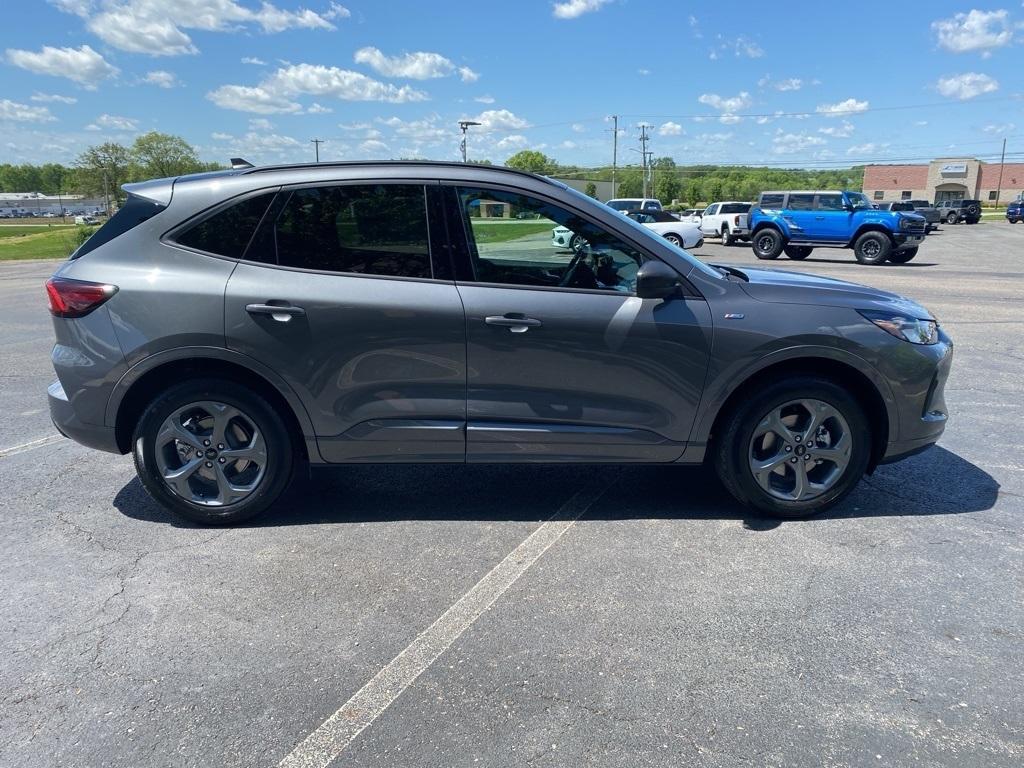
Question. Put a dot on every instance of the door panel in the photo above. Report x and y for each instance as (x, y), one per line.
(832, 220)
(799, 214)
(379, 363)
(602, 377)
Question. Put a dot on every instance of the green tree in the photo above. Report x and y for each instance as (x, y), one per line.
(591, 190)
(531, 160)
(158, 155)
(667, 187)
(103, 169)
(630, 183)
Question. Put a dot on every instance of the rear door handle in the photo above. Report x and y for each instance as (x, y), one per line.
(516, 323)
(280, 312)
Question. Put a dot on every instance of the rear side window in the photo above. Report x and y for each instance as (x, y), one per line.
(772, 199)
(365, 229)
(134, 211)
(801, 202)
(228, 232)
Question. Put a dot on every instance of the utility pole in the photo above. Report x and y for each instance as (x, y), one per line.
(464, 125)
(1002, 161)
(615, 149)
(316, 143)
(644, 153)
(106, 193)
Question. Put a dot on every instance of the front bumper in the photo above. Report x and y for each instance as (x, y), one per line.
(64, 418)
(908, 240)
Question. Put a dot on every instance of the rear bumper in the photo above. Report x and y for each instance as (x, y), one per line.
(64, 418)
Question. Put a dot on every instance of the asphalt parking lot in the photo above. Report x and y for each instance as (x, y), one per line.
(662, 627)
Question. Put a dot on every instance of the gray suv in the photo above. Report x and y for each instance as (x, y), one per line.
(227, 327)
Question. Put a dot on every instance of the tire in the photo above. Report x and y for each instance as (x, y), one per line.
(798, 252)
(951, 218)
(767, 243)
(902, 257)
(243, 487)
(974, 211)
(872, 248)
(675, 239)
(727, 239)
(738, 446)
(576, 243)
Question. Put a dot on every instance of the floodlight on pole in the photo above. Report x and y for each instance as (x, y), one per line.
(464, 125)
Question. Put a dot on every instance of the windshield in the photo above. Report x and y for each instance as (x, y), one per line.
(624, 205)
(644, 235)
(858, 200)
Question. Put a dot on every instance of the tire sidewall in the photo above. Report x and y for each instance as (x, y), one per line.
(732, 454)
(280, 451)
(776, 248)
(885, 248)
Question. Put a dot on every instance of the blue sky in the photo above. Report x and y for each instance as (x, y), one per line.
(795, 84)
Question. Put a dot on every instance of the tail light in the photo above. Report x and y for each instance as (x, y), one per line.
(736, 221)
(76, 298)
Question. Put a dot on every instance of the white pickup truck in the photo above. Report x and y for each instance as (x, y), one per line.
(726, 220)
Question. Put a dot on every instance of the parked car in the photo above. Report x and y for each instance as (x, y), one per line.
(726, 220)
(1015, 211)
(86, 220)
(797, 222)
(691, 215)
(680, 233)
(404, 331)
(930, 212)
(624, 204)
(956, 211)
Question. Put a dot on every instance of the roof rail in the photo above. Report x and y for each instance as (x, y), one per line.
(392, 163)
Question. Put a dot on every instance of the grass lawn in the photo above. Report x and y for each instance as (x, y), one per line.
(503, 231)
(36, 242)
(20, 230)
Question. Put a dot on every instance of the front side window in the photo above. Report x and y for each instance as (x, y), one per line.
(363, 229)
(830, 202)
(555, 248)
(710, 210)
(227, 232)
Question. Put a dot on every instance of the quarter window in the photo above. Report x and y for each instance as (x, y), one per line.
(548, 247)
(228, 232)
(365, 229)
(772, 200)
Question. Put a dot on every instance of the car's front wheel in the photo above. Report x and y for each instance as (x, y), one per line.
(872, 248)
(213, 451)
(795, 448)
(798, 252)
(951, 218)
(768, 244)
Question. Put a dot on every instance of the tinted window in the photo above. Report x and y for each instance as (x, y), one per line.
(772, 199)
(830, 202)
(134, 211)
(371, 229)
(623, 205)
(902, 207)
(735, 207)
(228, 232)
(556, 248)
(801, 202)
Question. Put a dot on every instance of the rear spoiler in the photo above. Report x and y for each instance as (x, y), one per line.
(157, 191)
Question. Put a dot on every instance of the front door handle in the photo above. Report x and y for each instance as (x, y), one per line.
(515, 322)
(281, 312)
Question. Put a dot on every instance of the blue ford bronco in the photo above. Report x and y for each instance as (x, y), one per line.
(795, 223)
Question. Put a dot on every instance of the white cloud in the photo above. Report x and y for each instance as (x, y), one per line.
(670, 129)
(966, 86)
(500, 120)
(567, 144)
(579, 128)
(726, 103)
(253, 60)
(974, 31)
(1000, 128)
(158, 27)
(713, 137)
(260, 124)
(729, 119)
(83, 65)
(419, 65)
(484, 99)
(277, 93)
(788, 84)
(318, 109)
(740, 47)
(571, 9)
(643, 72)
(374, 148)
(161, 78)
(847, 107)
(113, 123)
(46, 98)
(870, 148)
(515, 141)
(843, 131)
(354, 126)
(427, 130)
(218, 136)
(791, 143)
(23, 113)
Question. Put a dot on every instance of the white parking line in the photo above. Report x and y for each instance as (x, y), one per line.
(328, 741)
(31, 445)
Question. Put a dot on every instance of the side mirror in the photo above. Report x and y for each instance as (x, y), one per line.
(656, 280)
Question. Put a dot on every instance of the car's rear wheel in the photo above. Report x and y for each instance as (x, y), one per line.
(675, 239)
(727, 238)
(872, 248)
(795, 448)
(902, 257)
(798, 252)
(768, 244)
(213, 451)
(951, 218)
(577, 243)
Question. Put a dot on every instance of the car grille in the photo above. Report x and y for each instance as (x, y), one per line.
(918, 227)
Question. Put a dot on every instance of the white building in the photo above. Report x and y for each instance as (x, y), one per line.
(36, 204)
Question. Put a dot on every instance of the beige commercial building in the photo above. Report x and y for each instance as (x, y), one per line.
(948, 178)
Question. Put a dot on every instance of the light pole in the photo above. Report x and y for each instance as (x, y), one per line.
(464, 125)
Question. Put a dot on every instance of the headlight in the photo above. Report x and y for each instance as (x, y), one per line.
(907, 223)
(902, 327)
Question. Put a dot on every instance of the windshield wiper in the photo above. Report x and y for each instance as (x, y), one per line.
(726, 270)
